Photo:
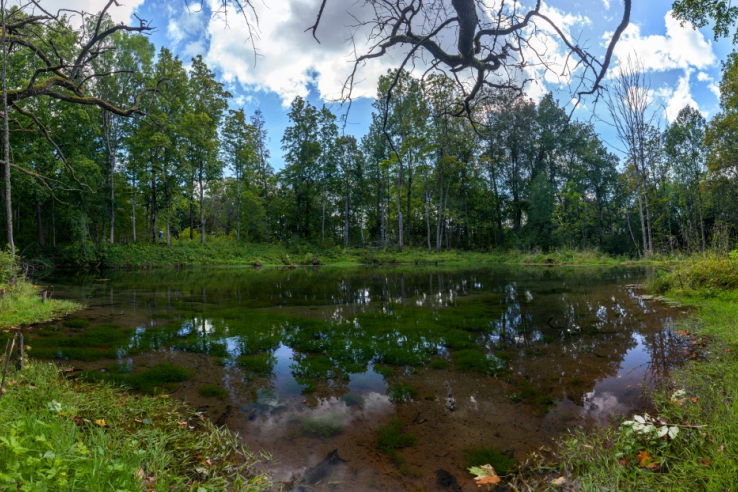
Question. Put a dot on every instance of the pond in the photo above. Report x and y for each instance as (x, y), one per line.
(409, 373)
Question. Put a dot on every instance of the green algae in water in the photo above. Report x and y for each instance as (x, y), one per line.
(473, 360)
(481, 456)
(213, 391)
(76, 323)
(324, 425)
(439, 364)
(383, 370)
(161, 376)
(260, 364)
(400, 393)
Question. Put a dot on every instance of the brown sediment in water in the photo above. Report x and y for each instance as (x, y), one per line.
(566, 349)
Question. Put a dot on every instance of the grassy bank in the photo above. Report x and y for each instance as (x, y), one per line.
(700, 400)
(228, 252)
(64, 435)
(22, 305)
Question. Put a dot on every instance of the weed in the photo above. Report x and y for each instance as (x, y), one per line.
(383, 370)
(76, 323)
(473, 360)
(401, 392)
(480, 456)
(439, 364)
(391, 437)
(214, 391)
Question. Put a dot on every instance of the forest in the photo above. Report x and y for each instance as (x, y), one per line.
(188, 165)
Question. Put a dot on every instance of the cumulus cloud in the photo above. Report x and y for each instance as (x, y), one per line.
(288, 60)
(703, 77)
(680, 48)
(606, 3)
(676, 99)
(122, 13)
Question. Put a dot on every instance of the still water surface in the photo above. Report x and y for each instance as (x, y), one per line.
(316, 360)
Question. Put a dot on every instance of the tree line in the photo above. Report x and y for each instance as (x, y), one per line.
(518, 174)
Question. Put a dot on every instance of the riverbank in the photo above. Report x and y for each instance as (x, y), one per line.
(23, 305)
(61, 434)
(698, 403)
(227, 252)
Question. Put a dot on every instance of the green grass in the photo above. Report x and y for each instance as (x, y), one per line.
(481, 456)
(324, 425)
(226, 251)
(702, 458)
(474, 360)
(65, 435)
(213, 391)
(22, 306)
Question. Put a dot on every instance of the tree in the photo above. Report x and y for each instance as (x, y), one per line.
(721, 13)
(629, 104)
(239, 146)
(208, 101)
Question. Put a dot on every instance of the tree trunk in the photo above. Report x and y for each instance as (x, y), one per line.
(6, 139)
(238, 212)
(346, 217)
(427, 218)
(166, 195)
(440, 215)
(40, 225)
(133, 207)
(112, 192)
(153, 210)
(322, 225)
(202, 206)
(400, 243)
(702, 220)
(640, 210)
(408, 216)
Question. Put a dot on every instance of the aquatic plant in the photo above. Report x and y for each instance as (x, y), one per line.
(76, 323)
(474, 360)
(400, 393)
(480, 456)
(214, 391)
(324, 425)
(391, 437)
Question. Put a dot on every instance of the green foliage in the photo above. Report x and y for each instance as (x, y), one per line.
(439, 364)
(57, 434)
(76, 323)
(480, 456)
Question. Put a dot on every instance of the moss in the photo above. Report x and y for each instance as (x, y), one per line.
(481, 456)
(160, 377)
(391, 436)
(76, 323)
(473, 360)
(439, 364)
(530, 395)
(400, 393)
(213, 391)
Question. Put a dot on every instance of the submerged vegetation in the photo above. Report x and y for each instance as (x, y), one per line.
(60, 434)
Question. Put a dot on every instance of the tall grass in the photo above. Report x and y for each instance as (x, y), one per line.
(63, 435)
(22, 305)
(708, 273)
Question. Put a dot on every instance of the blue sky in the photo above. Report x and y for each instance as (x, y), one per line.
(683, 65)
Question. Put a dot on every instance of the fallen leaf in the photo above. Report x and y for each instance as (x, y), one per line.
(624, 461)
(101, 423)
(182, 424)
(487, 480)
(705, 463)
(140, 474)
(727, 350)
(693, 399)
(683, 333)
(559, 481)
(207, 462)
(645, 460)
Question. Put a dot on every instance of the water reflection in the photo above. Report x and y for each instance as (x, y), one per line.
(312, 360)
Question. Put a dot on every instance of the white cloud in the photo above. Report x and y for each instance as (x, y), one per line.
(290, 60)
(715, 89)
(606, 3)
(676, 99)
(703, 77)
(123, 13)
(680, 48)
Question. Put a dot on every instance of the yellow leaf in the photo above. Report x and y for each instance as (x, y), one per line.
(487, 480)
(559, 481)
(101, 423)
